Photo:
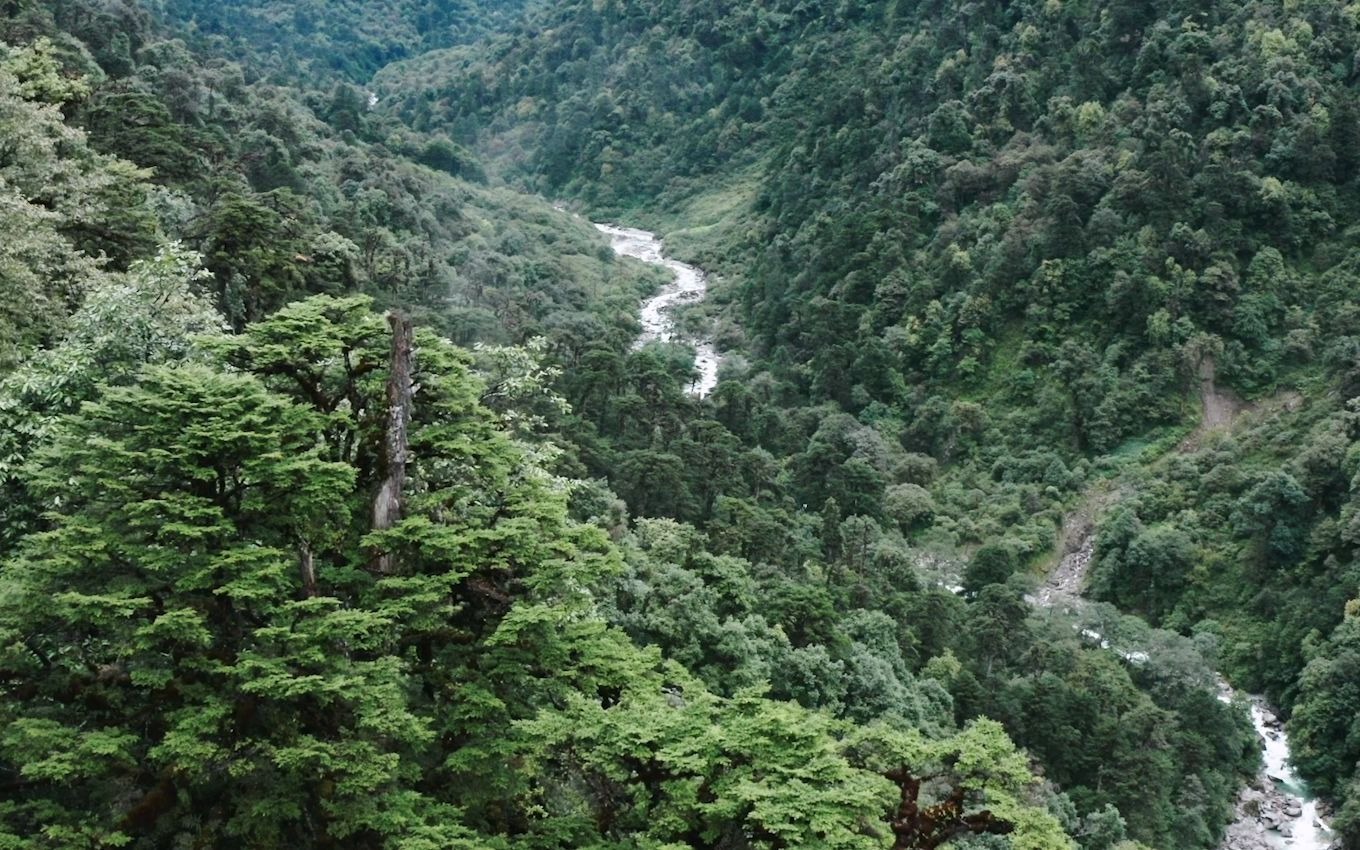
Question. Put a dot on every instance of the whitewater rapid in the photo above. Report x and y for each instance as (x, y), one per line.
(1275, 811)
(1309, 831)
(690, 285)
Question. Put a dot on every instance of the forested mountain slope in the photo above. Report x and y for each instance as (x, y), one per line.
(1014, 238)
(345, 38)
(206, 637)
(975, 259)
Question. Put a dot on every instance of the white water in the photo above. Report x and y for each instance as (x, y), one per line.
(1277, 791)
(1304, 831)
(690, 285)
(1308, 831)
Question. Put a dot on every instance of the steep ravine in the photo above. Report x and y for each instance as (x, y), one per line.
(690, 285)
(1274, 810)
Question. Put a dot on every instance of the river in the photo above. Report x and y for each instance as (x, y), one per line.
(1309, 833)
(689, 285)
(1275, 810)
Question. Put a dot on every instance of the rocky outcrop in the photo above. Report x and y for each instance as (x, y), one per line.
(1265, 818)
(1065, 583)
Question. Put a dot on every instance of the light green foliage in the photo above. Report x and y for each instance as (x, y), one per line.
(980, 761)
(145, 316)
(689, 764)
(326, 352)
(1102, 829)
(520, 381)
(39, 74)
(713, 615)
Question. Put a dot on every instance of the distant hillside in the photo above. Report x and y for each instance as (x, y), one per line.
(349, 38)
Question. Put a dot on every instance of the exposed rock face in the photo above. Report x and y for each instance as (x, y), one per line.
(1064, 584)
(1265, 818)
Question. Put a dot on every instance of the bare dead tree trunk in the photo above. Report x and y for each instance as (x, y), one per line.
(387, 504)
(307, 568)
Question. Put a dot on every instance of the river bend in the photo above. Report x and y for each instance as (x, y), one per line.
(690, 285)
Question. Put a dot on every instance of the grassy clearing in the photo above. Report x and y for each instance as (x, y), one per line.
(703, 226)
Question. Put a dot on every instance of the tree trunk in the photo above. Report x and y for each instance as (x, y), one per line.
(307, 569)
(396, 447)
(918, 827)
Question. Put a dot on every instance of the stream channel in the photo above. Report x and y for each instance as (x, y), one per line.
(689, 286)
(1274, 811)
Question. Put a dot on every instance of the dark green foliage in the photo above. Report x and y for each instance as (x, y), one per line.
(288, 191)
(991, 564)
(339, 37)
(64, 205)
(1014, 238)
(1143, 569)
(1084, 713)
(1328, 705)
(975, 256)
(1065, 238)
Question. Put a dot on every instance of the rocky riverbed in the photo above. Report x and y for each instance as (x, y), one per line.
(690, 285)
(1274, 811)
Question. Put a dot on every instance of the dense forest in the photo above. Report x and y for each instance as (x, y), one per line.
(340, 509)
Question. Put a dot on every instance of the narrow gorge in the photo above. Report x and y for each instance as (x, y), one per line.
(1275, 810)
